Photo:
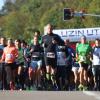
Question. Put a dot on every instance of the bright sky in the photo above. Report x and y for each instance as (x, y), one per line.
(1, 3)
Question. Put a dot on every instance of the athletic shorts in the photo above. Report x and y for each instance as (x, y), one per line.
(96, 70)
(84, 65)
(20, 64)
(26, 64)
(61, 72)
(51, 62)
(50, 59)
(75, 67)
(36, 64)
(11, 65)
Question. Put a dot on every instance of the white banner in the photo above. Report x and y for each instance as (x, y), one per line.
(74, 34)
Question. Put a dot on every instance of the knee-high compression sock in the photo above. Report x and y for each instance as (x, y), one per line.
(53, 79)
(48, 76)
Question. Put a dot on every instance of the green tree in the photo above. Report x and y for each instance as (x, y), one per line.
(21, 17)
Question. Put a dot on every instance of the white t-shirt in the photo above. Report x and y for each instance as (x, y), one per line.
(61, 59)
(96, 56)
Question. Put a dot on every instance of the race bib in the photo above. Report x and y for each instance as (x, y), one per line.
(61, 58)
(9, 56)
(36, 54)
(50, 55)
(82, 58)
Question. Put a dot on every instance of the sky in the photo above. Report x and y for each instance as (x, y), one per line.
(1, 4)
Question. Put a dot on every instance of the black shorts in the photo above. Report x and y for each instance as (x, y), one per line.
(11, 65)
(20, 64)
(96, 70)
(51, 62)
(84, 65)
(61, 72)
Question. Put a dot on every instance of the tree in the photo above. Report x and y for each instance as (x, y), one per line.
(15, 24)
(22, 16)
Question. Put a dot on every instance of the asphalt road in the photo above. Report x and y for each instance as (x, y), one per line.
(48, 95)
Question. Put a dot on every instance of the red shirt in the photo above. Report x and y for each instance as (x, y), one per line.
(10, 54)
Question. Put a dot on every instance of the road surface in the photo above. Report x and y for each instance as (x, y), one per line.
(49, 95)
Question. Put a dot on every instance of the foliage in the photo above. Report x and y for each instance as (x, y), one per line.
(23, 16)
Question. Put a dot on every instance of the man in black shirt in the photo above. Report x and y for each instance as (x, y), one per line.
(49, 48)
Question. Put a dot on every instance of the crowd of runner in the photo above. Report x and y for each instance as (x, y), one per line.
(49, 63)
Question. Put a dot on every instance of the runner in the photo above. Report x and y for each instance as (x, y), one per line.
(70, 60)
(37, 33)
(75, 69)
(20, 65)
(61, 74)
(36, 63)
(49, 49)
(96, 65)
(83, 53)
(2, 70)
(9, 56)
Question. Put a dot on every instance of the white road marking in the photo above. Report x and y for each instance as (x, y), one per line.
(96, 96)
